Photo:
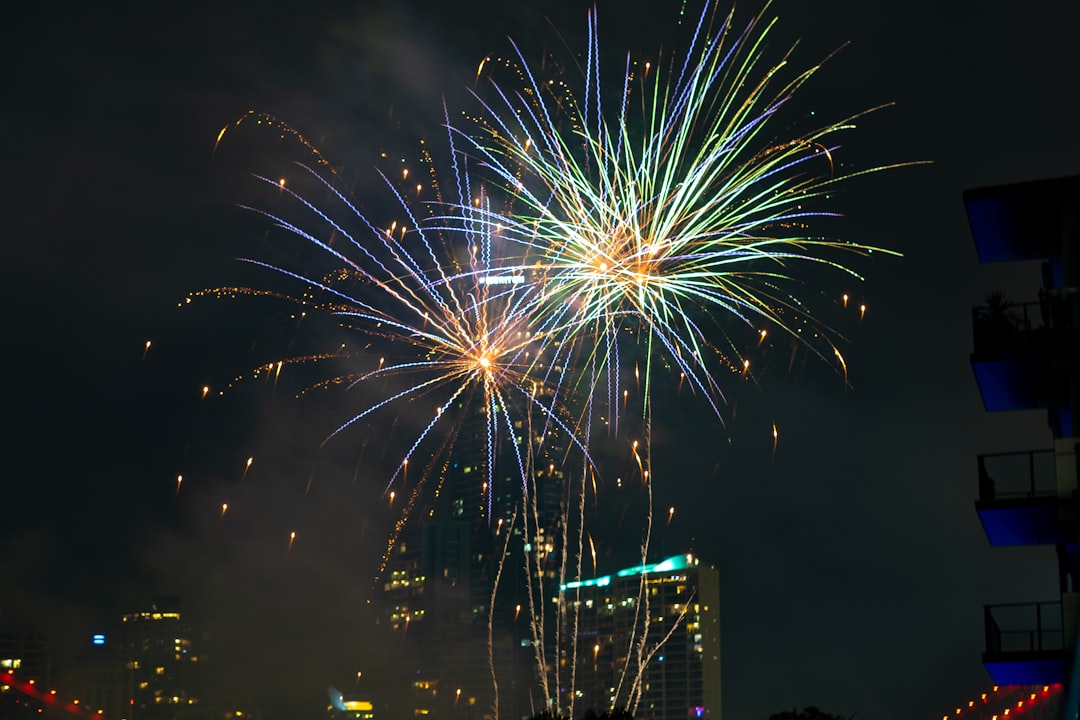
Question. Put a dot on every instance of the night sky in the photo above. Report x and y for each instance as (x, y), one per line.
(852, 563)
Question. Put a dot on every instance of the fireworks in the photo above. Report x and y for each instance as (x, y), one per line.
(669, 216)
(450, 324)
(460, 328)
(675, 211)
(673, 226)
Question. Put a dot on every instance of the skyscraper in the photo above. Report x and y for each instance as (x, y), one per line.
(162, 656)
(24, 659)
(25, 655)
(463, 539)
(663, 617)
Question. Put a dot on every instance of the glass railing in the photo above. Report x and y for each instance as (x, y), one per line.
(1024, 628)
(1006, 327)
(1009, 327)
(1013, 475)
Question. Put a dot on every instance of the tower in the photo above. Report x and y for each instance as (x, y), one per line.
(663, 617)
(466, 535)
(163, 661)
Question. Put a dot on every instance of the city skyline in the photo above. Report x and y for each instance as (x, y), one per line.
(862, 517)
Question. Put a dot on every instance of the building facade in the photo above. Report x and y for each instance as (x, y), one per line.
(456, 584)
(25, 655)
(1026, 356)
(24, 662)
(100, 678)
(648, 639)
(163, 660)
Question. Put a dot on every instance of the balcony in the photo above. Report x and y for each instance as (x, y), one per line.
(1018, 500)
(1025, 644)
(1024, 221)
(1024, 353)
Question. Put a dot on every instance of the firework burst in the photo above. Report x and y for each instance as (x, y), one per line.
(670, 213)
(449, 324)
(452, 327)
(584, 235)
(674, 211)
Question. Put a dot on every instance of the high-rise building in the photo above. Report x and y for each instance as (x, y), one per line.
(462, 538)
(1027, 356)
(164, 660)
(24, 662)
(25, 655)
(663, 617)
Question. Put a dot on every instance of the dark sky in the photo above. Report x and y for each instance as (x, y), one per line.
(853, 565)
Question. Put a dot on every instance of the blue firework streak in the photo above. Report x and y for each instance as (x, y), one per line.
(450, 318)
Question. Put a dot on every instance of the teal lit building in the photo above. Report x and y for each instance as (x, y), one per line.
(648, 638)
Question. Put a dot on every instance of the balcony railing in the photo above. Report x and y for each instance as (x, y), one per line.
(1017, 475)
(1012, 327)
(1024, 628)
(1004, 327)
